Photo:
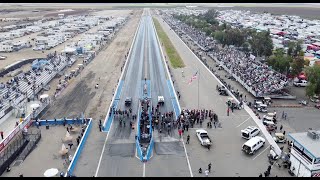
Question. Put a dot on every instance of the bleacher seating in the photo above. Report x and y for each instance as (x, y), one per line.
(46, 75)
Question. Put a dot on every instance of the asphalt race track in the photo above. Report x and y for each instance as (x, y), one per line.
(119, 156)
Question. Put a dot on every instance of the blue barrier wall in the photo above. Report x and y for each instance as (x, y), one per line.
(79, 149)
(139, 151)
(109, 118)
(150, 149)
(150, 118)
(138, 125)
(173, 99)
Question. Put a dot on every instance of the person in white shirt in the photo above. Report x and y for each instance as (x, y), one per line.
(206, 172)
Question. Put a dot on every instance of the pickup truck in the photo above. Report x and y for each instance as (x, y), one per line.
(203, 137)
(302, 83)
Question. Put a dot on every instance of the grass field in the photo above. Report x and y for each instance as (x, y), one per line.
(173, 55)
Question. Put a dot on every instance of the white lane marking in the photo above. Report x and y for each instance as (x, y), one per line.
(243, 122)
(268, 147)
(104, 145)
(144, 170)
(185, 151)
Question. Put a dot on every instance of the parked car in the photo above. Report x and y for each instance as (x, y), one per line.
(253, 145)
(203, 137)
(250, 132)
(279, 138)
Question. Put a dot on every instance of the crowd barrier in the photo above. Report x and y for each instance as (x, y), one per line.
(79, 149)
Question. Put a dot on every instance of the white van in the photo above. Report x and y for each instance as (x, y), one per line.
(250, 132)
(253, 145)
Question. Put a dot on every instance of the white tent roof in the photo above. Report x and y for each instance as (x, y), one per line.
(69, 50)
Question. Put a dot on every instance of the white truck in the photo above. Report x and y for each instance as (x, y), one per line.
(203, 137)
(302, 83)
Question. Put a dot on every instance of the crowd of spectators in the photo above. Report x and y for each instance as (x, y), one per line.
(256, 77)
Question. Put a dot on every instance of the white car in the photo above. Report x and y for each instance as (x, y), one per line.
(250, 132)
(160, 100)
(203, 137)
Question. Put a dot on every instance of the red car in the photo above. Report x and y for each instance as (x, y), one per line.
(317, 106)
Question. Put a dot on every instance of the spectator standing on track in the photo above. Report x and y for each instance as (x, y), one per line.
(188, 139)
(78, 141)
(1, 133)
(179, 131)
(284, 132)
(282, 115)
(100, 127)
(281, 127)
(228, 111)
(209, 167)
(260, 175)
(200, 170)
(285, 116)
(68, 129)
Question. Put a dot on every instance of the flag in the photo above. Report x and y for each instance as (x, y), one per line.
(194, 77)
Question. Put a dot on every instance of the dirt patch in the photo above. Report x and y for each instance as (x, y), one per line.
(80, 95)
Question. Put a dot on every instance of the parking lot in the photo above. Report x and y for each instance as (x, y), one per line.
(225, 155)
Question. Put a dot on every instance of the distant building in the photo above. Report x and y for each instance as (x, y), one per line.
(305, 154)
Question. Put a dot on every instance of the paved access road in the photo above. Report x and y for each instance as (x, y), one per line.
(226, 156)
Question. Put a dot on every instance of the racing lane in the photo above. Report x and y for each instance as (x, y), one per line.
(119, 156)
(168, 156)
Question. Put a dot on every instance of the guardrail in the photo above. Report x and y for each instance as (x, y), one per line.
(139, 151)
(79, 149)
(150, 149)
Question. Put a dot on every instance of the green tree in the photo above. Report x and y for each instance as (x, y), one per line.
(279, 61)
(245, 47)
(297, 66)
(220, 36)
(291, 47)
(298, 48)
(313, 74)
(261, 43)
